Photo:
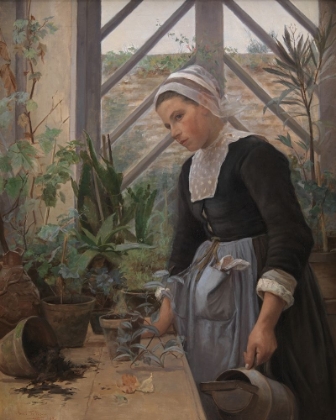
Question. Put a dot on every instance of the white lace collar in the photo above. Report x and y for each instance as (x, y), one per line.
(206, 164)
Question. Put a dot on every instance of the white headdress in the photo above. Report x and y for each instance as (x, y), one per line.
(205, 90)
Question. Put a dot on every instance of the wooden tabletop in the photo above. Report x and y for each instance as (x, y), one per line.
(97, 395)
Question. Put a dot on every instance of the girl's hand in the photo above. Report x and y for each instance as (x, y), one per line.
(260, 346)
(165, 319)
(262, 342)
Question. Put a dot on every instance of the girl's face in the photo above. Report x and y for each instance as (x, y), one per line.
(190, 125)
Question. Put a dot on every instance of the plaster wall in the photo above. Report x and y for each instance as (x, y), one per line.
(56, 83)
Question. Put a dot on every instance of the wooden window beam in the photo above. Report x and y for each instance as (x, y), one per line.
(298, 15)
(119, 17)
(21, 79)
(146, 161)
(153, 40)
(209, 36)
(252, 25)
(138, 112)
(265, 97)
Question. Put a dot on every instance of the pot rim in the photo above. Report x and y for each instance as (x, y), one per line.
(85, 300)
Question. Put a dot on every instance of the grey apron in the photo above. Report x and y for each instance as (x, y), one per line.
(215, 311)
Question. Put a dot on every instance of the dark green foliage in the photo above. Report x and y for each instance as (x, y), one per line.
(99, 193)
(144, 200)
(301, 70)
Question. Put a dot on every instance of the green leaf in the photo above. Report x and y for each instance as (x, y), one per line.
(106, 231)
(52, 28)
(130, 246)
(84, 260)
(6, 116)
(276, 72)
(31, 105)
(13, 187)
(30, 53)
(303, 145)
(110, 256)
(286, 140)
(49, 232)
(175, 349)
(2, 184)
(47, 139)
(90, 235)
(21, 23)
(23, 156)
(273, 101)
(49, 195)
(330, 76)
(36, 76)
(5, 165)
(43, 269)
(284, 65)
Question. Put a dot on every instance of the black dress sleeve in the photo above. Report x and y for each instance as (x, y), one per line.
(189, 232)
(266, 174)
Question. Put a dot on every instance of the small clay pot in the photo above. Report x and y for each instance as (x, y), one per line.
(110, 324)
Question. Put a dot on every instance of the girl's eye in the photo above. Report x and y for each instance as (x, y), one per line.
(178, 117)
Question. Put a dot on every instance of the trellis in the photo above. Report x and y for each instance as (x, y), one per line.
(209, 31)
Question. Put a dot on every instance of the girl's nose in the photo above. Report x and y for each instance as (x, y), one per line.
(175, 133)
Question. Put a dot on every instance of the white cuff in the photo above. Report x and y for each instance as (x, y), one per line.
(279, 283)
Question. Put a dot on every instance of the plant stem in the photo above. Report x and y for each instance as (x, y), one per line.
(322, 218)
(2, 236)
(110, 149)
(52, 109)
(65, 243)
(100, 208)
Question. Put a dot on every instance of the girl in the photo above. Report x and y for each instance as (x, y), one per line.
(236, 200)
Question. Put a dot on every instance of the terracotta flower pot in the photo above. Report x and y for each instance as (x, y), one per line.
(20, 345)
(69, 319)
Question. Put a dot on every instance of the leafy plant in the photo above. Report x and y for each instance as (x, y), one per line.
(144, 201)
(54, 255)
(32, 167)
(301, 70)
(99, 192)
(105, 244)
(113, 60)
(138, 267)
(128, 333)
(103, 283)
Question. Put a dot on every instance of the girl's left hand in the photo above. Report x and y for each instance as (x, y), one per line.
(261, 345)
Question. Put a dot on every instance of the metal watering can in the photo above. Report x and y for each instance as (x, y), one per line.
(242, 394)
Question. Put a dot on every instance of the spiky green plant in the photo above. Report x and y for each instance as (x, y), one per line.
(301, 70)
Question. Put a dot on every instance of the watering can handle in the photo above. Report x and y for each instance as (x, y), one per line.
(208, 387)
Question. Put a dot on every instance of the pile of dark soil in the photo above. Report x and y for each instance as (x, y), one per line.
(52, 367)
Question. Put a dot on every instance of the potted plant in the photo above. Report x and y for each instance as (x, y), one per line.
(141, 266)
(61, 268)
(127, 214)
(301, 71)
(129, 333)
(104, 254)
(32, 166)
(102, 283)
